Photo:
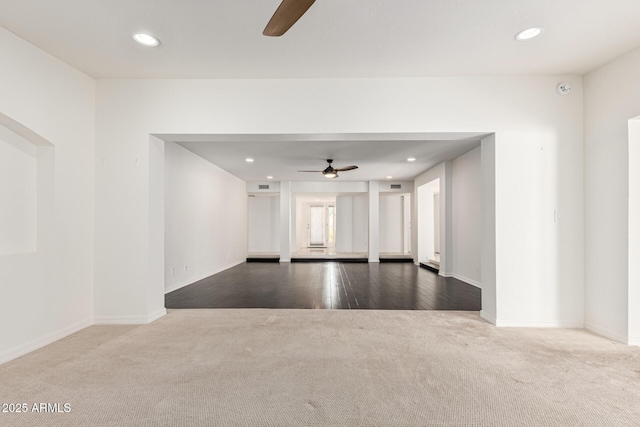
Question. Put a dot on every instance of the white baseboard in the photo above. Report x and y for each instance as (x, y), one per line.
(130, 320)
(467, 280)
(489, 318)
(608, 334)
(563, 324)
(634, 341)
(204, 276)
(445, 274)
(23, 349)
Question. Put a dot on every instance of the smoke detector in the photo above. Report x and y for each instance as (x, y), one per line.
(563, 89)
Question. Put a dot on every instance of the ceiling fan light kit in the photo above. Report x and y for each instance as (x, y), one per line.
(285, 16)
(331, 172)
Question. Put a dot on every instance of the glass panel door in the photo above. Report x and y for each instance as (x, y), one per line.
(316, 226)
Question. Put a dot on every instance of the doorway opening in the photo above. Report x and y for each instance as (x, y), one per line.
(429, 224)
(321, 225)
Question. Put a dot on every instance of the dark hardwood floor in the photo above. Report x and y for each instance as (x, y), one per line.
(327, 285)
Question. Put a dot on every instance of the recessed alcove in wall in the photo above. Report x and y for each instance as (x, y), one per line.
(26, 190)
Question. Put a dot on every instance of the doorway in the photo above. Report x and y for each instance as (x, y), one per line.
(429, 223)
(321, 226)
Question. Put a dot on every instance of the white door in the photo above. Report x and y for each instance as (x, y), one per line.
(317, 226)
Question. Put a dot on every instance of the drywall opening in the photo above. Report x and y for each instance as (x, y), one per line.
(26, 186)
(429, 222)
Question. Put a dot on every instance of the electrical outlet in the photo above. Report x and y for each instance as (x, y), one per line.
(185, 268)
(173, 271)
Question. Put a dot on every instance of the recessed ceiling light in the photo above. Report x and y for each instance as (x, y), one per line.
(269, 177)
(389, 177)
(411, 159)
(248, 160)
(146, 39)
(529, 33)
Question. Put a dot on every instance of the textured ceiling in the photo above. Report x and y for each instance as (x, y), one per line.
(336, 38)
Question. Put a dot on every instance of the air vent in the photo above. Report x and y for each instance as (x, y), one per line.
(263, 186)
(396, 186)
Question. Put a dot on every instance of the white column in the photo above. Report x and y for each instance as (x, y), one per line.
(285, 221)
(374, 221)
(488, 254)
(446, 221)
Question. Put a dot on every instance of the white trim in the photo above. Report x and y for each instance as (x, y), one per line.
(193, 280)
(443, 274)
(487, 317)
(634, 341)
(373, 260)
(607, 334)
(47, 339)
(564, 324)
(156, 315)
(467, 280)
(130, 320)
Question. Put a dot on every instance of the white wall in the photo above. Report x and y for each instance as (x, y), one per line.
(352, 224)
(610, 101)
(48, 294)
(264, 224)
(536, 131)
(360, 224)
(344, 224)
(467, 216)
(391, 223)
(205, 218)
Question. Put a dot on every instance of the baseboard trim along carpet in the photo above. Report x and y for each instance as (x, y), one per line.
(607, 334)
(130, 320)
(44, 341)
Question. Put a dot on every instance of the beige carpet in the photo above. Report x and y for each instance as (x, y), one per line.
(326, 368)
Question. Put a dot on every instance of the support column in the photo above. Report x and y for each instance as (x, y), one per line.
(285, 221)
(374, 221)
(446, 221)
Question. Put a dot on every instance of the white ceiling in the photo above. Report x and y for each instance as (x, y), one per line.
(281, 156)
(336, 38)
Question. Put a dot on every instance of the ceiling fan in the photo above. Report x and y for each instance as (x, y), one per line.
(286, 15)
(331, 172)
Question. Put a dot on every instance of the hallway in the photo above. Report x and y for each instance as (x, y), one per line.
(328, 285)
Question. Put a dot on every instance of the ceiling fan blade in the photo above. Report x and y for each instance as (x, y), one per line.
(286, 15)
(346, 168)
(312, 171)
